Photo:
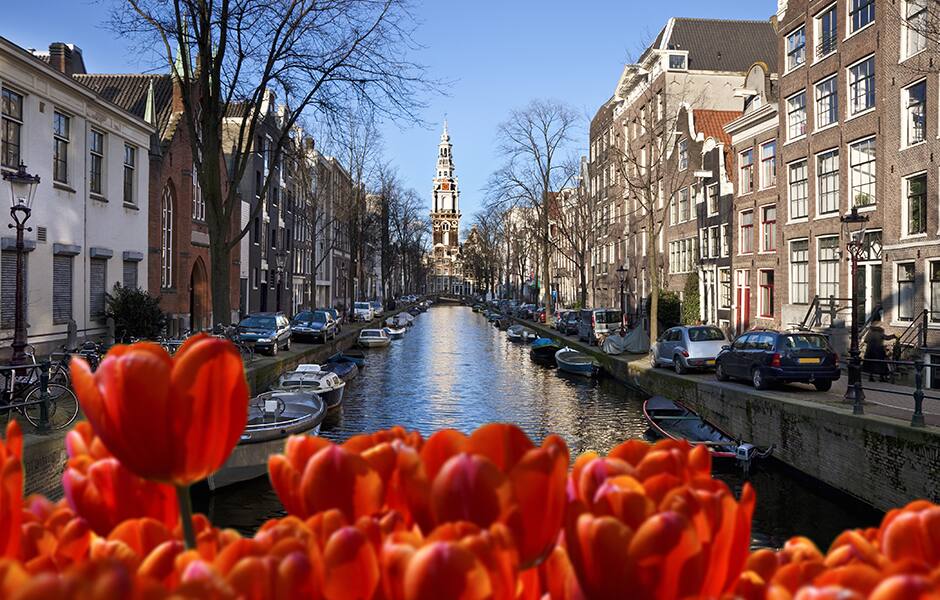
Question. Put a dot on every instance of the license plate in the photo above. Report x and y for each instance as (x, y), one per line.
(809, 361)
(710, 363)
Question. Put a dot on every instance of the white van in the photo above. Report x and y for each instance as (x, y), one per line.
(362, 311)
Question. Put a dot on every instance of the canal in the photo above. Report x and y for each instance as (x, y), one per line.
(453, 369)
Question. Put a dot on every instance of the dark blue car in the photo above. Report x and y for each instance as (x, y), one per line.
(266, 331)
(316, 324)
(767, 357)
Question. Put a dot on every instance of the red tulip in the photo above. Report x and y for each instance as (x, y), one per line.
(105, 493)
(168, 419)
(912, 534)
(11, 490)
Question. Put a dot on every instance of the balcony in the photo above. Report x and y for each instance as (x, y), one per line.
(826, 46)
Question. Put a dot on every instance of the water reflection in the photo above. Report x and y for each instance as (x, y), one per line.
(453, 369)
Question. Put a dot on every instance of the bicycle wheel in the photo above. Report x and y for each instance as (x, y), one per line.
(61, 403)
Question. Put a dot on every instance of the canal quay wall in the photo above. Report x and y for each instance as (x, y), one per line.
(882, 461)
(44, 456)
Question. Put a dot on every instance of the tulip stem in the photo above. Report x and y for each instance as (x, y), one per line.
(186, 516)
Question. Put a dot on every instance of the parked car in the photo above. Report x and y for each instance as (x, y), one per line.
(684, 348)
(595, 324)
(317, 324)
(362, 311)
(267, 331)
(559, 319)
(539, 315)
(568, 324)
(767, 357)
(377, 309)
(337, 317)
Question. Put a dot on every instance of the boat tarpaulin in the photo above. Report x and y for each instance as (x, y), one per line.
(634, 341)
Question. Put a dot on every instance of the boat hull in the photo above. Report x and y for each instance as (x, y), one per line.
(374, 343)
(332, 398)
(575, 363)
(673, 421)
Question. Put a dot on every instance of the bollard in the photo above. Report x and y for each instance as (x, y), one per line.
(917, 420)
(44, 396)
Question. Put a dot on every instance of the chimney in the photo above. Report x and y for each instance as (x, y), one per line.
(66, 58)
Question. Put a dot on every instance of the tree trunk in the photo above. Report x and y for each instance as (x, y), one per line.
(220, 265)
(654, 285)
(546, 281)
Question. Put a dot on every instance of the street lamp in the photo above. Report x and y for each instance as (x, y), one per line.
(280, 261)
(856, 249)
(22, 190)
(622, 276)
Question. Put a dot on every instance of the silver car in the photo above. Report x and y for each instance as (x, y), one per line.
(688, 347)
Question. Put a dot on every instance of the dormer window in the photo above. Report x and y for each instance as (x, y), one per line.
(677, 62)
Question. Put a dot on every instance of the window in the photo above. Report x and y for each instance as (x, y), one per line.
(712, 197)
(95, 161)
(60, 147)
(714, 242)
(130, 159)
(914, 37)
(746, 171)
(915, 205)
(166, 238)
(12, 122)
(765, 300)
(724, 288)
(861, 14)
(796, 116)
(827, 34)
(685, 210)
(934, 268)
(905, 286)
(199, 203)
(677, 62)
(768, 228)
(862, 172)
(828, 269)
(827, 181)
(914, 106)
(683, 155)
(682, 256)
(862, 86)
(97, 286)
(827, 102)
(8, 287)
(798, 189)
(746, 232)
(799, 272)
(725, 242)
(61, 289)
(796, 48)
(129, 275)
(768, 165)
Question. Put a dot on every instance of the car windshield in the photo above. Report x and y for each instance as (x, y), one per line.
(705, 334)
(362, 305)
(319, 317)
(804, 341)
(609, 316)
(258, 322)
(303, 317)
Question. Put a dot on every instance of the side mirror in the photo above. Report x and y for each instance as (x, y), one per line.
(726, 347)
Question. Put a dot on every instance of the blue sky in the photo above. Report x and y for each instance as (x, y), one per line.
(499, 55)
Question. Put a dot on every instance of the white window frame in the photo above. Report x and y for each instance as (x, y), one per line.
(741, 167)
(850, 23)
(851, 109)
(897, 290)
(725, 243)
(790, 113)
(852, 173)
(682, 148)
(764, 185)
(838, 263)
(741, 251)
(761, 237)
(761, 312)
(907, 31)
(708, 200)
(833, 99)
(819, 180)
(906, 113)
(99, 156)
(791, 279)
(818, 33)
(792, 67)
(905, 209)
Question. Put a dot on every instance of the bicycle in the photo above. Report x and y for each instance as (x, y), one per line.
(246, 350)
(44, 404)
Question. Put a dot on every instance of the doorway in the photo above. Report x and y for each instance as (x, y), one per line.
(742, 318)
(868, 288)
(199, 297)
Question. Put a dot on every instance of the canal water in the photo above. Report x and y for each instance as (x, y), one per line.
(455, 370)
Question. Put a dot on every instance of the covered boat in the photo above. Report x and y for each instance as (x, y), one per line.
(400, 320)
(543, 351)
(346, 370)
(576, 363)
(520, 333)
(272, 417)
(373, 338)
(671, 420)
(356, 357)
(395, 333)
(312, 378)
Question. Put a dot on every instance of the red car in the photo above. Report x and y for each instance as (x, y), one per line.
(539, 316)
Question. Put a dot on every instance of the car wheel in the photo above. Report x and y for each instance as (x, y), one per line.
(720, 374)
(758, 380)
(653, 362)
(822, 386)
(679, 365)
(287, 345)
(274, 349)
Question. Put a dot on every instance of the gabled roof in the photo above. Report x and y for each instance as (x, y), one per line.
(130, 92)
(720, 45)
(711, 123)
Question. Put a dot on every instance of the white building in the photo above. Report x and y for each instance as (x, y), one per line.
(89, 219)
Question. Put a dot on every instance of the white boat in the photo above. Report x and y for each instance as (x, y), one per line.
(272, 417)
(395, 333)
(312, 378)
(373, 338)
(520, 333)
(576, 363)
(402, 319)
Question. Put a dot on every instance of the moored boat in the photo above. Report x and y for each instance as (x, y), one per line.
(395, 333)
(373, 338)
(543, 351)
(347, 371)
(576, 363)
(354, 356)
(272, 417)
(520, 333)
(311, 378)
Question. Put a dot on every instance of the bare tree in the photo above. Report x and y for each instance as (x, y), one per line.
(533, 142)
(229, 55)
(575, 231)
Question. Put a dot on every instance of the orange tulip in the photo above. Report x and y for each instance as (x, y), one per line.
(11, 490)
(169, 419)
(912, 534)
(105, 493)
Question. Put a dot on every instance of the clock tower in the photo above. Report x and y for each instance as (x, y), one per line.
(446, 276)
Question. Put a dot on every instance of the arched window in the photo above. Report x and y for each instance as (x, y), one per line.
(199, 204)
(166, 239)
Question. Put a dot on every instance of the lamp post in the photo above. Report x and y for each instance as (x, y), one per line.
(280, 261)
(856, 249)
(622, 276)
(22, 190)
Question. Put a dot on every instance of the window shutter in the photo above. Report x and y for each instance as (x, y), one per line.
(98, 279)
(8, 287)
(130, 274)
(61, 289)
